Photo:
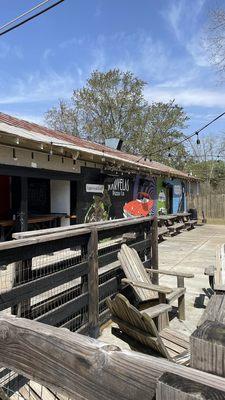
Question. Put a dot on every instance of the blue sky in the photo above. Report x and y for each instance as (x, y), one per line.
(159, 40)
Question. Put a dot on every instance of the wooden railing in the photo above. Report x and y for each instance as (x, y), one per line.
(63, 278)
(84, 368)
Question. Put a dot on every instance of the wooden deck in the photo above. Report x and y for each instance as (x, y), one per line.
(190, 251)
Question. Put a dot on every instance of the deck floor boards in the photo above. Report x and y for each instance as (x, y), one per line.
(190, 251)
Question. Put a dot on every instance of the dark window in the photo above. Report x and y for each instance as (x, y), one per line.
(38, 196)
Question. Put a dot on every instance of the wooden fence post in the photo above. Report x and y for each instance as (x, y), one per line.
(174, 387)
(208, 348)
(93, 285)
(154, 247)
(22, 274)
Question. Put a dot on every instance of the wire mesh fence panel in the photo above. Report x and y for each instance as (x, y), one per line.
(50, 280)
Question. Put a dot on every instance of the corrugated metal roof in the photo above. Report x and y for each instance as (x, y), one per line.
(37, 133)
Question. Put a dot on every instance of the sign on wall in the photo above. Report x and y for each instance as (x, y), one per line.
(118, 187)
(94, 188)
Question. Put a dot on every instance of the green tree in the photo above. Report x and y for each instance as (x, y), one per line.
(63, 118)
(163, 132)
(112, 104)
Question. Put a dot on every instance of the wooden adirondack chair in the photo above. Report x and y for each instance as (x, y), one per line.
(217, 273)
(139, 278)
(140, 330)
(215, 309)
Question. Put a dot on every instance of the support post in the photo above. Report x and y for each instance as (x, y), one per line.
(24, 205)
(174, 387)
(93, 285)
(22, 274)
(181, 299)
(208, 348)
(154, 246)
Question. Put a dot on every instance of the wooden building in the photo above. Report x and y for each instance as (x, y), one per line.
(48, 178)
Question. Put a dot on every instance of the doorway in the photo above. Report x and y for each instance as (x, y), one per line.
(73, 202)
(169, 199)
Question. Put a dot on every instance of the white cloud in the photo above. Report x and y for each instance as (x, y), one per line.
(174, 15)
(72, 42)
(39, 88)
(47, 53)
(182, 16)
(197, 50)
(10, 51)
(187, 97)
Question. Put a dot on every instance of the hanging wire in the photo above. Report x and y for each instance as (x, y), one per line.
(186, 138)
(29, 18)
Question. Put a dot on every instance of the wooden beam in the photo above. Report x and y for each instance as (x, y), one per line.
(76, 365)
(22, 249)
(93, 285)
(23, 217)
(67, 309)
(155, 252)
(40, 285)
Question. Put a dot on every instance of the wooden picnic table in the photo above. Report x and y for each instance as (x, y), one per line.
(183, 214)
(168, 217)
(53, 218)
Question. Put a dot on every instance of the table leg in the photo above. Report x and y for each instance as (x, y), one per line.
(2, 234)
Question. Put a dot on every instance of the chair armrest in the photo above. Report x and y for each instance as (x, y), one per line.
(156, 311)
(219, 288)
(173, 273)
(210, 270)
(143, 285)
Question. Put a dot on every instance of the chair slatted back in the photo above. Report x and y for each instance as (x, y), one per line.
(139, 326)
(220, 265)
(135, 271)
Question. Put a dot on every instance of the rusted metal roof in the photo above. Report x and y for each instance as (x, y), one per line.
(40, 133)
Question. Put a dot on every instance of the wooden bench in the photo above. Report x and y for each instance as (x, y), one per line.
(162, 230)
(176, 228)
(191, 223)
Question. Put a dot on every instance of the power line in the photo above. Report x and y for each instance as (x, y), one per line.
(23, 15)
(31, 17)
(169, 147)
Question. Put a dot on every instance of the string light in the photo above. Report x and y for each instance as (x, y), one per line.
(14, 155)
(198, 140)
(186, 138)
(51, 151)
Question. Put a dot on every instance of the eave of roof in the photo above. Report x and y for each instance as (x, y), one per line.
(36, 133)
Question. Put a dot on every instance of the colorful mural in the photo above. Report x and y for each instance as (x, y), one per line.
(120, 192)
(144, 200)
(178, 195)
(161, 194)
(135, 197)
(99, 210)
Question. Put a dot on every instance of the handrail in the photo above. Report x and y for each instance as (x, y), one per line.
(81, 367)
(40, 232)
(59, 234)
